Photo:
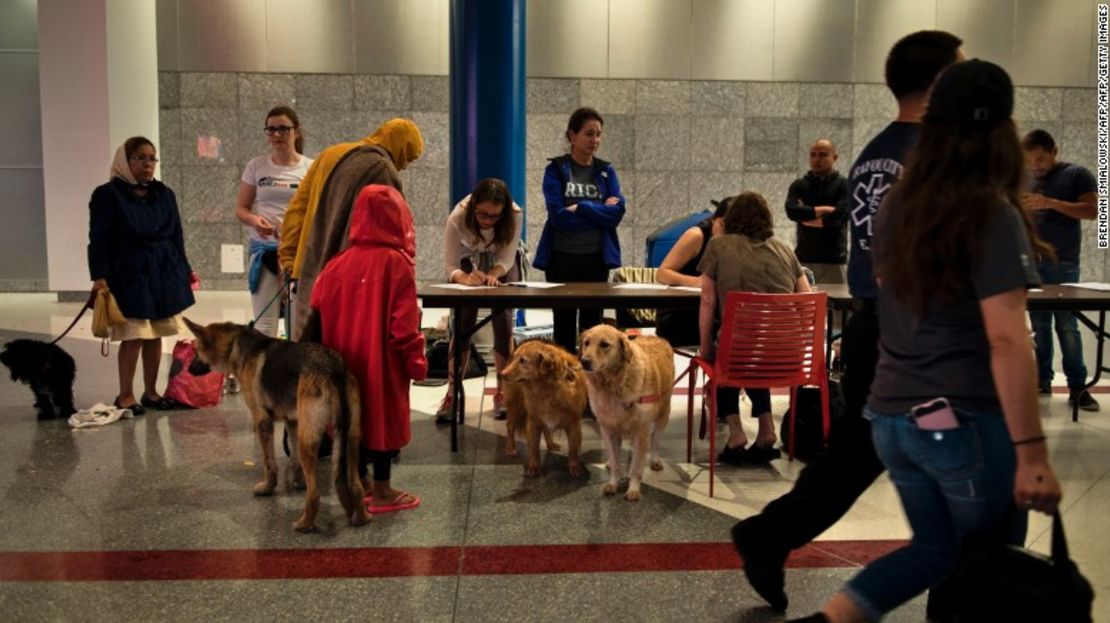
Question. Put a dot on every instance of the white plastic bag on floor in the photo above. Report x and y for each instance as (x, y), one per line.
(99, 414)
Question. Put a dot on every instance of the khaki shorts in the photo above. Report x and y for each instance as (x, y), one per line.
(143, 329)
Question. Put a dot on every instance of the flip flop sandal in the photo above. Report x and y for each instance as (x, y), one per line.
(395, 505)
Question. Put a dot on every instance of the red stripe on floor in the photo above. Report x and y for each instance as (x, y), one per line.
(288, 564)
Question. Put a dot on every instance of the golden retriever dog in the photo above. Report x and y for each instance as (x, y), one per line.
(547, 392)
(629, 383)
(305, 385)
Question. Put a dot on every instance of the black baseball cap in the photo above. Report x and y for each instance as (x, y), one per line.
(973, 91)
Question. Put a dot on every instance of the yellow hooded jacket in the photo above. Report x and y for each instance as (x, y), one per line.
(400, 137)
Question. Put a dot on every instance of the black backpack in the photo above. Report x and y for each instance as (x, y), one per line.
(808, 440)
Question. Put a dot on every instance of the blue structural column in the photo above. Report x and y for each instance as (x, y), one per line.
(487, 95)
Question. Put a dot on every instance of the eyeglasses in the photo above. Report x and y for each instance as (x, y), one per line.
(150, 159)
(483, 216)
(271, 130)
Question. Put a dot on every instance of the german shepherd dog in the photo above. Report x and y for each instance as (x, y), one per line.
(305, 385)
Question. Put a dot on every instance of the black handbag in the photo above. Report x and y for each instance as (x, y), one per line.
(1008, 583)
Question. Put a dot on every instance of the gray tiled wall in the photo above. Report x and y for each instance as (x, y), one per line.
(676, 144)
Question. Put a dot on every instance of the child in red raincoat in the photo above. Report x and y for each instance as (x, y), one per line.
(366, 301)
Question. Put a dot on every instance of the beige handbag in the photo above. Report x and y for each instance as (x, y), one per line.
(105, 313)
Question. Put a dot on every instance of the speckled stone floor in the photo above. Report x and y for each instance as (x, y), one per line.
(152, 519)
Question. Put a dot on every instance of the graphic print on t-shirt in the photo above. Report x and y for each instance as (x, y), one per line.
(271, 182)
(868, 193)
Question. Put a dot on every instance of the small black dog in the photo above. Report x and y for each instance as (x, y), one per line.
(49, 371)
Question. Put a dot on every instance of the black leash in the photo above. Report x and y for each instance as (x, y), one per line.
(284, 286)
(74, 323)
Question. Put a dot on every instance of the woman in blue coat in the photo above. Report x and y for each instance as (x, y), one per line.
(584, 207)
(137, 251)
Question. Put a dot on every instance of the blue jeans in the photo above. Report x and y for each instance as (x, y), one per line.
(1067, 329)
(952, 484)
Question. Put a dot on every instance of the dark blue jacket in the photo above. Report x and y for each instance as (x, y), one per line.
(589, 214)
(136, 244)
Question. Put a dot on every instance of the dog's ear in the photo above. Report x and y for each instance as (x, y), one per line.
(546, 363)
(198, 330)
(626, 348)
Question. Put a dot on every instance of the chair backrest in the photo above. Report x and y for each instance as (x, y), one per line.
(771, 340)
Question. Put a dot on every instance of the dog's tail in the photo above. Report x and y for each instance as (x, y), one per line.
(348, 439)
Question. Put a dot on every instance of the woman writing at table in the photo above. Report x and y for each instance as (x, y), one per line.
(584, 207)
(480, 249)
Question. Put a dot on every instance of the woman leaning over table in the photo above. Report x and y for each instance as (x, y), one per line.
(137, 251)
(584, 207)
(483, 235)
(268, 183)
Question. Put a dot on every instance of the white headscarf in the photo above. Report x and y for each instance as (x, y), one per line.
(121, 168)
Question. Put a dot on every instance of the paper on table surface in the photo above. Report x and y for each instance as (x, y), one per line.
(534, 284)
(459, 286)
(687, 288)
(1090, 285)
(640, 286)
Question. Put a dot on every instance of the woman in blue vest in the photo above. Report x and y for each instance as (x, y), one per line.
(584, 207)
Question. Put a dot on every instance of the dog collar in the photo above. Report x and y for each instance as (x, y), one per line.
(650, 398)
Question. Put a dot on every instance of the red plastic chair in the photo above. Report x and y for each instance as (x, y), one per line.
(765, 341)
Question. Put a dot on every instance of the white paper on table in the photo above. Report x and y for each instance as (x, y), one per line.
(533, 284)
(459, 286)
(687, 288)
(640, 286)
(1090, 285)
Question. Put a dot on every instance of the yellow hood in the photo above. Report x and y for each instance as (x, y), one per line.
(402, 139)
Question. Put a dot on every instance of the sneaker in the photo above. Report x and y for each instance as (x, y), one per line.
(443, 413)
(231, 385)
(499, 410)
(1045, 389)
(1085, 400)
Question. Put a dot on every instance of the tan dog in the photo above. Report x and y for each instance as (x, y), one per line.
(630, 384)
(548, 392)
(308, 387)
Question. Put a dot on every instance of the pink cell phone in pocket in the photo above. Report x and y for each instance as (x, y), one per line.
(936, 414)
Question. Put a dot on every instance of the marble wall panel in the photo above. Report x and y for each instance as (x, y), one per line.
(169, 89)
(717, 143)
(546, 139)
(325, 92)
(835, 101)
(718, 97)
(609, 96)
(659, 97)
(863, 130)
(383, 93)
(873, 101)
(252, 138)
(202, 247)
(1079, 144)
(207, 194)
(171, 146)
(265, 91)
(435, 128)
(773, 187)
(431, 94)
(660, 197)
(618, 144)
(552, 95)
(427, 192)
(209, 136)
(662, 143)
(1079, 105)
(324, 128)
(712, 186)
(209, 90)
(770, 144)
(772, 99)
(1038, 103)
(429, 253)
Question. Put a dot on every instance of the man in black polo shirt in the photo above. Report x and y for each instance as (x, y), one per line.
(818, 203)
(1062, 194)
(829, 485)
